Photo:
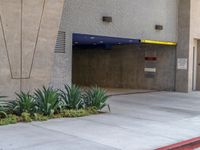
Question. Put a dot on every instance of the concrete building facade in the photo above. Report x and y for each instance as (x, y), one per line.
(51, 43)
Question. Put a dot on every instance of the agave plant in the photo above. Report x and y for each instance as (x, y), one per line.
(72, 97)
(24, 103)
(96, 97)
(5, 107)
(47, 101)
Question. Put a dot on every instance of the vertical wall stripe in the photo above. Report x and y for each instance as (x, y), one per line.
(21, 43)
(6, 46)
(36, 42)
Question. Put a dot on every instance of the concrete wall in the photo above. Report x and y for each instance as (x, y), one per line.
(188, 35)
(123, 67)
(131, 18)
(136, 19)
(28, 32)
(194, 40)
(182, 75)
(62, 69)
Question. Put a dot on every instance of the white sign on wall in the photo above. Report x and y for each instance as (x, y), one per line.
(182, 63)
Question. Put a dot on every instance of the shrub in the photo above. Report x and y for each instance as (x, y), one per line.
(10, 119)
(72, 97)
(3, 114)
(24, 103)
(26, 117)
(95, 97)
(75, 113)
(55, 116)
(39, 117)
(5, 107)
(47, 101)
(92, 110)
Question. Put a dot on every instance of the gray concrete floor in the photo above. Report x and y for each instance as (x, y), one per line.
(137, 122)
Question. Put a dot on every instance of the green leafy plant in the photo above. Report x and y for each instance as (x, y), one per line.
(92, 110)
(95, 97)
(24, 103)
(75, 113)
(47, 101)
(72, 97)
(5, 107)
(26, 117)
(39, 117)
(10, 119)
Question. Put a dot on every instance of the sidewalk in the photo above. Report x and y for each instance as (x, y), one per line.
(142, 121)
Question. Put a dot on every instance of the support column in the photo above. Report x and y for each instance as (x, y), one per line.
(183, 77)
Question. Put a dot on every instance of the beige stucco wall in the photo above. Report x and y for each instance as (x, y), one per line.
(28, 32)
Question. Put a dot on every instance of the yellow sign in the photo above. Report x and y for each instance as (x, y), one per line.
(158, 42)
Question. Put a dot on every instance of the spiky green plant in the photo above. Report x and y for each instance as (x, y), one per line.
(72, 97)
(5, 107)
(47, 101)
(24, 103)
(95, 97)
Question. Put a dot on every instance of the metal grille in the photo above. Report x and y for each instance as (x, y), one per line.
(60, 42)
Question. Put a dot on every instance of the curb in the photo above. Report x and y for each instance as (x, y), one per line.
(185, 145)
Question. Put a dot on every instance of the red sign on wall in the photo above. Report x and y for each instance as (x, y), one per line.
(151, 58)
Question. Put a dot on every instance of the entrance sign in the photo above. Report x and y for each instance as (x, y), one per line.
(182, 63)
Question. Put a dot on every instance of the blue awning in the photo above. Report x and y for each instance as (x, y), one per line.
(96, 40)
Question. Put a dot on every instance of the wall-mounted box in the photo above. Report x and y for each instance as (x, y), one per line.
(158, 27)
(107, 19)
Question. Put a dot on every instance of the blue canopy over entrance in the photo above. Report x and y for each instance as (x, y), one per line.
(87, 40)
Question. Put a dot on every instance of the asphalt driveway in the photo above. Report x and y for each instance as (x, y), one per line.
(142, 121)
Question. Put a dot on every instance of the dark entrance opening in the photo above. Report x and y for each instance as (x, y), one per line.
(113, 62)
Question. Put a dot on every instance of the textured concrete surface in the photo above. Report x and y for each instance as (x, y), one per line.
(123, 67)
(28, 34)
(182, 76)
(131, 18)
(188, 39)
(179, 18)
(195, 36)
(137, 122)
(28, 31)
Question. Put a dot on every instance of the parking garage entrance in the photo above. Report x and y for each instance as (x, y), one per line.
(113, 62)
